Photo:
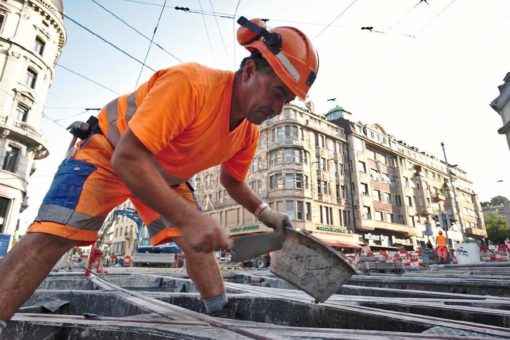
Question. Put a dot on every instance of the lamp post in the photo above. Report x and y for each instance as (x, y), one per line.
(454, 194)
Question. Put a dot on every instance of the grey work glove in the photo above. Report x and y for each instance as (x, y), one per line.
(274, 219)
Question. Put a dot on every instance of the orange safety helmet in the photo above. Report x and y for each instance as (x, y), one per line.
(289, 52)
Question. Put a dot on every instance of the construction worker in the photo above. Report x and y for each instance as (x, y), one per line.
(146, 146)
(95, 259)
(441, 247)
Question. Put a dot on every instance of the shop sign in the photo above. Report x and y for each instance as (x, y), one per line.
(340, 230)
(245, 228)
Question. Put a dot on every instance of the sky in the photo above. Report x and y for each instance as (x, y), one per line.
(426, 71)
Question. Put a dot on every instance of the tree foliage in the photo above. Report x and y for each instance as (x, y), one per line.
(499, 200)
(497, 228)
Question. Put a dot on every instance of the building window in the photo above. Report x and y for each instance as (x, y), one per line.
(290, 209)
(4, 209)
(346, 217)
(289, 181)
(21, 113)
(398, 201)
(39, 45)
(400, 219)
(409, 201)
(255, 164)
(371, 154)
(374, 174)
(379, 216)
(300, 211)
(387, 197)
(308, 211)
(326, 215)
(11, 158)
(376, 195)
(320, 140)
(362, 166)
(364, 189)
(412, 222)
(367, 214)
(339, 169)
(31, 78)
(338, 148)
(2, 20)
(389, 218)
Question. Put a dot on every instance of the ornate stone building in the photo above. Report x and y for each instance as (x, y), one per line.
(502, 106)
(348, 184)
(32, 36)
(402, 195)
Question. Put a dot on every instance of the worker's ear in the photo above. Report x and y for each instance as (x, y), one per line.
(249, 68)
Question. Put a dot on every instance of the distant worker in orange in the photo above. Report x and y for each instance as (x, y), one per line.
(146, 146)
(441, 247)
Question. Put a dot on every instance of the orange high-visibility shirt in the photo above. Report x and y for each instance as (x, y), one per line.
(441, 241)
(182, 116)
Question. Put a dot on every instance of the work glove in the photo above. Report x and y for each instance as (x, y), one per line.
(274, 219)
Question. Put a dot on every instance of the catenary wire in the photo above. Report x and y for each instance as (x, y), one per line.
(335, 19)
(207, 33)
(219, 29)
(435, 17)
(150, 44)
(234, 30)
(106, 41)
(88, 79)
(137, 31)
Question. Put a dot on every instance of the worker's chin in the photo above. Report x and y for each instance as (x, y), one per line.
(257, 119)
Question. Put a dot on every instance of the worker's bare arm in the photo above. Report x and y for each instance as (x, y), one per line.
(239, 191)
(134, 165)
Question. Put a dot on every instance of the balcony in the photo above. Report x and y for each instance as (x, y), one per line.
(286, 142)
(25, 134)
(400, 229)
(437, 197)
(476, 232)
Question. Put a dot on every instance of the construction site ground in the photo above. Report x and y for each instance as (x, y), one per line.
(437, 302)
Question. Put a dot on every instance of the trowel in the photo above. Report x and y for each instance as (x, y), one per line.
(298, 258)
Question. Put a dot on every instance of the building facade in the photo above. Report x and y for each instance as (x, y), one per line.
(403, 196)
(122, 232)
(502, 106)
(32, 36)
(347, 183)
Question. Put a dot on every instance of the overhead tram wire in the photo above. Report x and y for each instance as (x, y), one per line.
(219, 29)
(434, 18)
(335, 19)
(234, 30)
(106, 41)
(150, 44)
(207, 33)
(137, 31)
(88, 79)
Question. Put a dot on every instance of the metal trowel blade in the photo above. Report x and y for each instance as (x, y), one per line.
(248, 247)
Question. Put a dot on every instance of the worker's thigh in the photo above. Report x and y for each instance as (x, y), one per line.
(160, 230)
(84, 190)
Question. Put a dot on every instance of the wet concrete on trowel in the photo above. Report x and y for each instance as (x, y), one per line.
(444, 303)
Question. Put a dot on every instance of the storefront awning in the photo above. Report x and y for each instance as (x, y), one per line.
(338, 244)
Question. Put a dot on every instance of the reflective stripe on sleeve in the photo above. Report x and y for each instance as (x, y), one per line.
(112, 113)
